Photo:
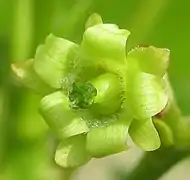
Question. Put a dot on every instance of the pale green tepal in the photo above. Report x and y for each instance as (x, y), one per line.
(95, 95)
(60, 117)
(55, 55)
(72, 152)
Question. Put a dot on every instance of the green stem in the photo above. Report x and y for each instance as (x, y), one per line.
(68, 173)
(155, 164)
(173, 117)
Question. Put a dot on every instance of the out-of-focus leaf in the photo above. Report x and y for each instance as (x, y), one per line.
(111, 139)
(144, 134)
(31, 125)
(24, 73)
(56, 111)
(72, 152)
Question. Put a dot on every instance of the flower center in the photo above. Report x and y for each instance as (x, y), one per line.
(81, 95)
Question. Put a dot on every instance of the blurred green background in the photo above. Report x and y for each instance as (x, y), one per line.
(26, 144)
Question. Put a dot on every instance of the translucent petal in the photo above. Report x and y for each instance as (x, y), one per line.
(147, 94)
(151, 59)
(105, 41)
(72, 152)
(24, 73)
(54, 60)
(60, 117)
(144, 134)
(111, 139)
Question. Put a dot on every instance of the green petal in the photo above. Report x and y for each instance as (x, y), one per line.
(164, 131)
(111, 139)
(24, 73)
(151, 59)
(105, 41)
(54, 60)
(72, 152)
(93, 20)
(56, 111)
(144, 134)
(108, 98)
(147, 94)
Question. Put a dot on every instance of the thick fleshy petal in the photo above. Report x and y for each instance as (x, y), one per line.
(24, 73)
(111, 139)
(144, 134)
(72, 152)
(54, 60)
(105, 41)
(151, 59)
(108, 98)
(56, 111)
(147, 94)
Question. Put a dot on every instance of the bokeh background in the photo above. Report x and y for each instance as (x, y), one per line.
(26, 144)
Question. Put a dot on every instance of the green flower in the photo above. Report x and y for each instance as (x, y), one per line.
(95, 95)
